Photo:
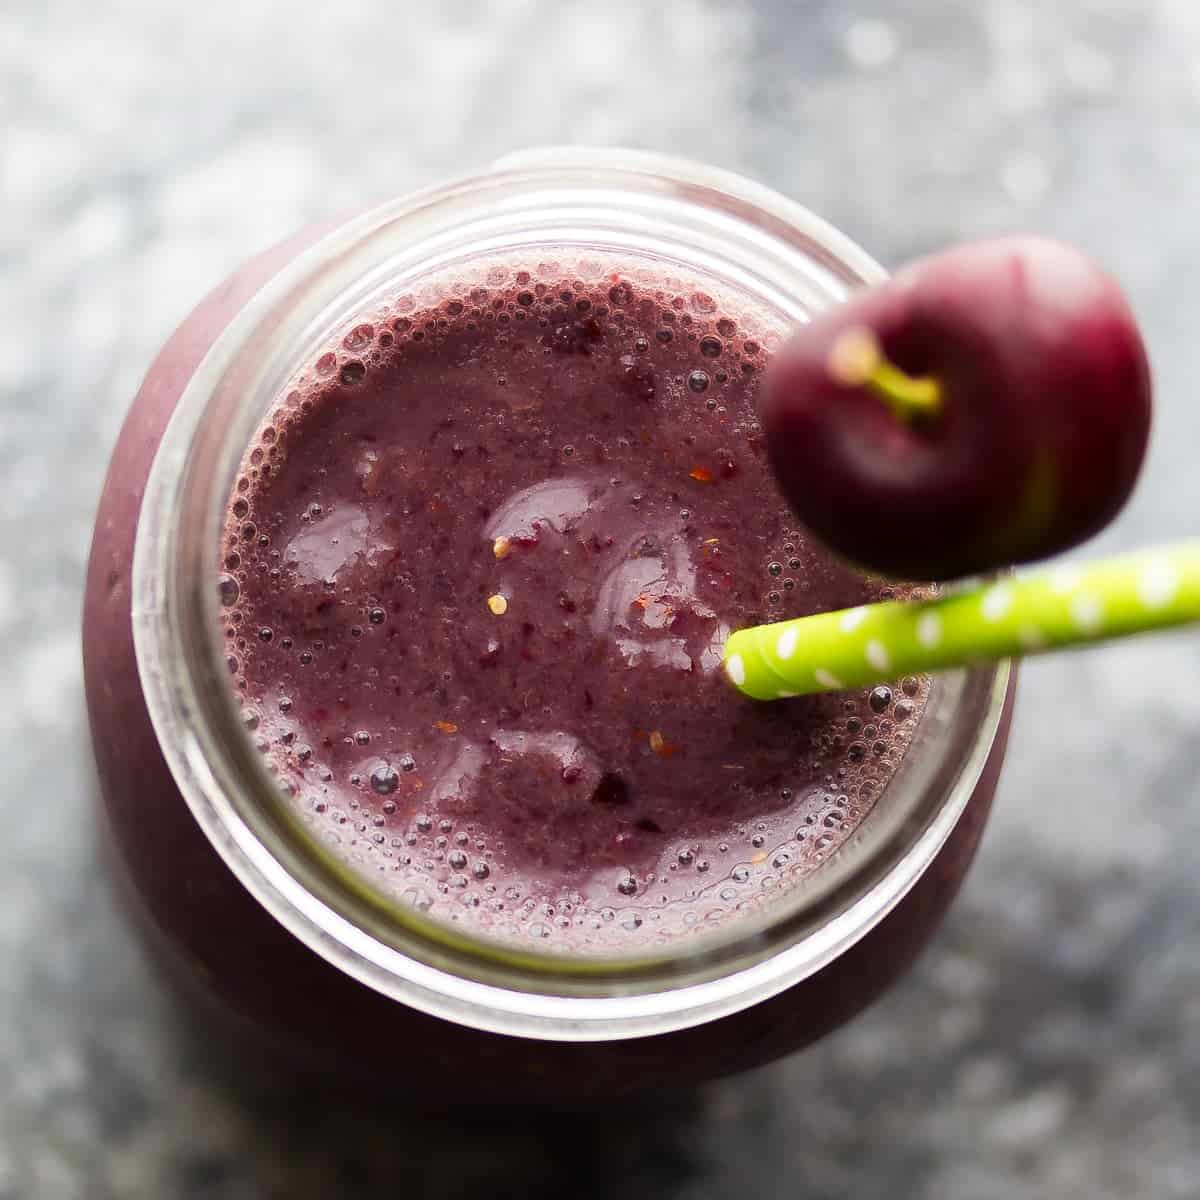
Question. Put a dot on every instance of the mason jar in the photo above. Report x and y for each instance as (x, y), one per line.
(301, 966)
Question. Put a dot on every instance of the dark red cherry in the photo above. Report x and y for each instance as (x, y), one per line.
(987, 405)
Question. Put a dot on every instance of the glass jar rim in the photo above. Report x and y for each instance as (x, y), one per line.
(418, 961)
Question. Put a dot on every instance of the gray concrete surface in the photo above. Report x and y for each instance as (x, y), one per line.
(1049, 1044)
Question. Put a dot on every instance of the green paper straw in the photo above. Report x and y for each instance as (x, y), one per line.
(1065, 606)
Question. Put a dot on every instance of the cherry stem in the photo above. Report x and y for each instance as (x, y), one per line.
(856, 359)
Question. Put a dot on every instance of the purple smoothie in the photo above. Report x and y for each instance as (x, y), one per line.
(478, 572)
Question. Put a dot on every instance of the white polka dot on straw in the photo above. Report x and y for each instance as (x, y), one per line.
(929, 630)
(1157, 584)
(997, 601)
(827, 679)
(1087, 612)
(877, 655)
(785, 647)
(735, 668)
(852, 618)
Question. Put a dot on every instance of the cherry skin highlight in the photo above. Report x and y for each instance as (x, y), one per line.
(988, 405)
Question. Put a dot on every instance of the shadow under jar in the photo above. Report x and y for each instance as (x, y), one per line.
(549, 914)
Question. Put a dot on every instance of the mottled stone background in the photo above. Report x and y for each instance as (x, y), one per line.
(1049, 1044)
